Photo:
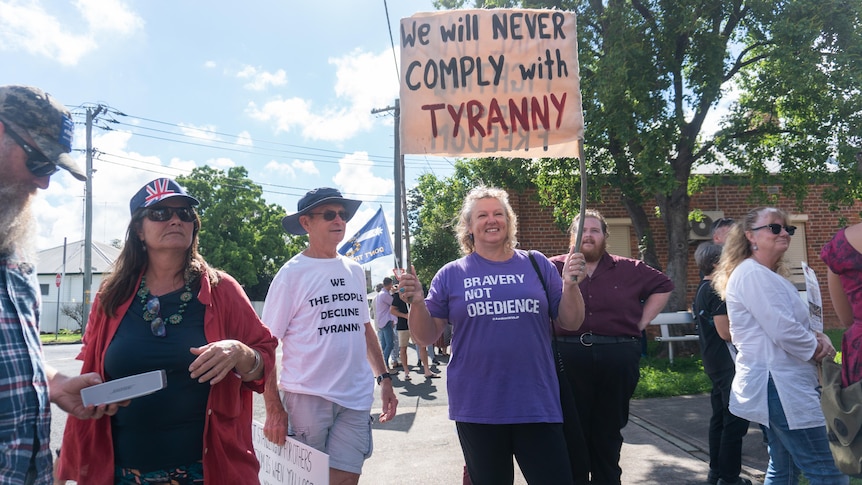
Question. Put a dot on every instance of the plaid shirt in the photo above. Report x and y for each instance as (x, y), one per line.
(25, 409)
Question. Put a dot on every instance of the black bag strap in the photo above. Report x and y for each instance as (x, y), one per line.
(560, 367)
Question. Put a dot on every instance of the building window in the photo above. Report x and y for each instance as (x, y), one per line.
(45, 287)
(797, 253)
(619, 236)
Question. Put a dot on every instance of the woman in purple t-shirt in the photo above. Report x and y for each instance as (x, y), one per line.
(502, 385)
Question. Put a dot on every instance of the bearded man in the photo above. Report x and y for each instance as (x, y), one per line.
(35, 141)
(602, 358)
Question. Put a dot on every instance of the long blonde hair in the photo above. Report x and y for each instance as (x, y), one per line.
(462, 228)
(737, 248)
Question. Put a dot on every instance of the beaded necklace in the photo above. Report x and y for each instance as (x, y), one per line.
(174, 319)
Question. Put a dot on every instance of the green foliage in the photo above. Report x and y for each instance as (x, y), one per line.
(434, 205)
(240, 233)
(658, 378)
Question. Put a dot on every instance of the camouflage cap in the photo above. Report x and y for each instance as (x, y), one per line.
(47, 121)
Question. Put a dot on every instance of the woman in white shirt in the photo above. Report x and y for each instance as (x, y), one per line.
(776, 382)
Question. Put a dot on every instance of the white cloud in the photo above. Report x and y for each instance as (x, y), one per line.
(109, 16)
(306, 166)
(260, 80)
(28, 27)
(280, 169)
(221, 163)
(205, 132)
(355, 177)
(210, 64)
(364, 81)
(244, 139)
(285, 113)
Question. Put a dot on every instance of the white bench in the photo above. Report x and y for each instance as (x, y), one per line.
(665, 320)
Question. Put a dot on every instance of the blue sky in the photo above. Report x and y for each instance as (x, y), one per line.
(283, 88)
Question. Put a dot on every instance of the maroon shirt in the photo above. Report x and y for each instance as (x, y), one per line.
(614, 295)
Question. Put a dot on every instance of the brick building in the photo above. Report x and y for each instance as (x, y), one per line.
(816, 225)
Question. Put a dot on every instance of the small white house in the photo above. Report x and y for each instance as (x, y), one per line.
(62, 282)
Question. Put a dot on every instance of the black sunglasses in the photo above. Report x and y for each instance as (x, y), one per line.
(162, 214)
(776, 228)
(330, 215)
(157, 325)
(37, 163)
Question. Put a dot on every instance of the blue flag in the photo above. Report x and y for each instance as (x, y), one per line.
(371, 242)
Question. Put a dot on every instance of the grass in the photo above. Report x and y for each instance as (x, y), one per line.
(64, 337)
(660, 378)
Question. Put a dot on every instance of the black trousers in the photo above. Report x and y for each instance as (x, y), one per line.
(540, 449)
(603, 378)
(725, 430)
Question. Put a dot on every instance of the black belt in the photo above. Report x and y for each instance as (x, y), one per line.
(589, 338)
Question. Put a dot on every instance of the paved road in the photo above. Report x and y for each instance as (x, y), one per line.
(665, 441)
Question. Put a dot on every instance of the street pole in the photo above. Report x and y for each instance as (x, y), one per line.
(88, 217)
(398, 174)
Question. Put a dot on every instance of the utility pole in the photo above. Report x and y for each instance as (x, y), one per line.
(92, 113)
(400, 191)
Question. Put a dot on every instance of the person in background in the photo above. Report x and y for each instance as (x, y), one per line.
(720, 228)
(164, 307)
(400, 309)
(331, 355)
(844, 279)
(602, 357)
(500, 312)
(726, 430)
(776, 381)
(384, 320)
(35, 141)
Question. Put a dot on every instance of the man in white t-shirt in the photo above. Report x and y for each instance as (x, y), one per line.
(317, 307)
(384, 319)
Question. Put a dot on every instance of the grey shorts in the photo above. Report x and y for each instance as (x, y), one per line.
(343, 434)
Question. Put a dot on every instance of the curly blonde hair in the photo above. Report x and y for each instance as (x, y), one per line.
(462, 228)
(737, 248)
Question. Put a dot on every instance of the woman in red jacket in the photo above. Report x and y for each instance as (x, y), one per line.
(163, 307)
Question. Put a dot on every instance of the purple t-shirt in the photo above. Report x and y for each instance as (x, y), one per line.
(502, 368)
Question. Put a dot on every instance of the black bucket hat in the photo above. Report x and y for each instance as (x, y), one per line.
(312, 199)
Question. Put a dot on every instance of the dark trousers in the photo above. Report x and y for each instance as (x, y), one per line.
(540, 449)
(603, 378)
(725, 430)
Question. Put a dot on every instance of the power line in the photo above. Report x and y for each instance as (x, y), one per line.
(160, 170)
(321, 155)
(392, 42)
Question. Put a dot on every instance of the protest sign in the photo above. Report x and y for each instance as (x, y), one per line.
(815, 301)
(292, 464)
(490, 82)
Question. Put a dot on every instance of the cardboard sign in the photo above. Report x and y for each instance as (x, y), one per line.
(490, 82)
(292, 464)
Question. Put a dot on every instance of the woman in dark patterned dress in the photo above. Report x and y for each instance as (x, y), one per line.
(843, 256)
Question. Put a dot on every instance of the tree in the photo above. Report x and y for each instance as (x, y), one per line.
(435, 205)
(240, 233)
(652, 71)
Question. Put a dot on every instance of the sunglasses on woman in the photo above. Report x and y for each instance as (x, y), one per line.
(162, 214)
(330, 215)
(37, 163)
(776, 228)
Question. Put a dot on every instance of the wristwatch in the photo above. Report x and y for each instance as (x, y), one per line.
(385, 375)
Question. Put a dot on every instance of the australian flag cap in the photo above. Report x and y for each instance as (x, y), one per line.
(157, 191)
